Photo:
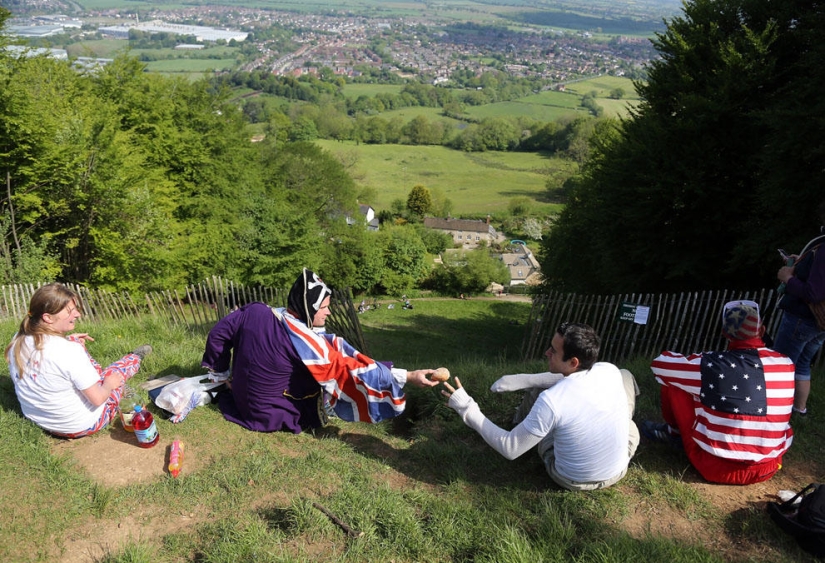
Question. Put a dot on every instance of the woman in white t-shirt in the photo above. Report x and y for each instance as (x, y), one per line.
(61, 388)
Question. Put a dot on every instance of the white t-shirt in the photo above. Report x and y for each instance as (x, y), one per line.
(50, 391)
(587, 414)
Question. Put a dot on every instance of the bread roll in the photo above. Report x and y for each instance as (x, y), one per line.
(441, 374)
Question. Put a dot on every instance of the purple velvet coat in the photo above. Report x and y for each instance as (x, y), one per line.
(272, 390)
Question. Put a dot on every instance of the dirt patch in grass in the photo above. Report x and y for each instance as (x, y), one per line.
(91, 542)
(113, 458)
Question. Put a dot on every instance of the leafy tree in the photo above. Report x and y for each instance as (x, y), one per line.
(303, 130)
(519, 206)
(442, 206)
(421, 131)
(498, 134)
(353, 258)
(716, 166)
(419, 202)
(434, 241)
(405, 259)
(469, 272)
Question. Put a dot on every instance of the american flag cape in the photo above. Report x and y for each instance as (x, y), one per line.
(742, 399)
(359, 388)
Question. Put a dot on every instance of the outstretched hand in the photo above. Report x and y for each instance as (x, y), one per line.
(419, 378)
(450, 389)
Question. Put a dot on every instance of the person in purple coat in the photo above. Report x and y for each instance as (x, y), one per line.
(285, 368)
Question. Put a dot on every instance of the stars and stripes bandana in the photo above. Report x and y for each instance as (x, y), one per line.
(359, 388)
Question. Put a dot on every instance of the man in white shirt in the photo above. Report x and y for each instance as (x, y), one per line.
(580, 413)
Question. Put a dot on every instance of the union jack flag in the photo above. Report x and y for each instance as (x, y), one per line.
(359, 388)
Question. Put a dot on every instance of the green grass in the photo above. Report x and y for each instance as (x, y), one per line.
(101, 48)
(408, 114)
(602, 85)
(189, 65)
(519, 108)
(421, 488)
(370, 90)
(476, 183)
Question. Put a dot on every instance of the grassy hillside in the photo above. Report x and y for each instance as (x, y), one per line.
(423, 487)
(477, 183)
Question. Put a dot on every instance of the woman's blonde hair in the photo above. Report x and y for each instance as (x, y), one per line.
(48, 299)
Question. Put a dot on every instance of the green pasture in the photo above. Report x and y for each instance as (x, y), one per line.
(517, 108)
(188, 76)
(210, 50)
(602, 85)
(100, 48)
(432, 114)
(110, 48)
(553, 98)
(617, 108)
(370, 90)
(190, 65)
(422, 487)
(476, 183)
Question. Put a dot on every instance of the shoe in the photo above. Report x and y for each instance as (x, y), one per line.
(142, 351)
(798, 412)
(660, 432)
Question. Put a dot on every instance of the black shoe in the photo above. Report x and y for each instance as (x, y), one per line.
(660, 433)
(142, 351)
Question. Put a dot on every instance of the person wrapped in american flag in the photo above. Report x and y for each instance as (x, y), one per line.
(729, 410)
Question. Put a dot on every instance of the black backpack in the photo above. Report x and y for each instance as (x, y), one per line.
(805, 521)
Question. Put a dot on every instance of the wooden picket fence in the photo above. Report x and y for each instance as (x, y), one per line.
(681, 322)
(196, 308)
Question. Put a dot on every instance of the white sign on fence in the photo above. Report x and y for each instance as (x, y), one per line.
(631, 313)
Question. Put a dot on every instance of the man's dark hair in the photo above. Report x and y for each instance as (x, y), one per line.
(580, 341)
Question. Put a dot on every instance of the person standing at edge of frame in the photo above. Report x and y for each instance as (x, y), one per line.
(799, 335)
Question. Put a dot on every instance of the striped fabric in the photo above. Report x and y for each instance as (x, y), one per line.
(359, 388)
(743, 399)
(127, 366)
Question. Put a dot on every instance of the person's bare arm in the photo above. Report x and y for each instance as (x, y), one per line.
(98, 393)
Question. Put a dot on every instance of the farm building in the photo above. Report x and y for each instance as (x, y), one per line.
(467, 232)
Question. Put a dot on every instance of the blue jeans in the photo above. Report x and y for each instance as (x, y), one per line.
(799, 339)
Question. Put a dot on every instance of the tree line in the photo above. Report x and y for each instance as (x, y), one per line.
(127, 180)
(720, 164)
(123, 179)
(331, 115)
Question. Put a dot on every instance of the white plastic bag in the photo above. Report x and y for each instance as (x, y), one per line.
(176, 396)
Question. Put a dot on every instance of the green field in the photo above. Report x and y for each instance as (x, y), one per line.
(476, 183)
(518, 108)
(101, 48)
(109, 48)
(356, 90)
(190, 65)
(602, 85)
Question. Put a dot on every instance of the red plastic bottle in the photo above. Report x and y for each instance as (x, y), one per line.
(145, 429)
